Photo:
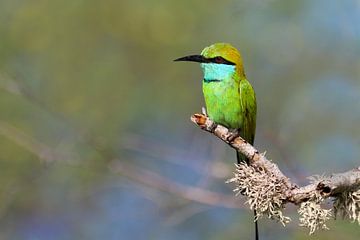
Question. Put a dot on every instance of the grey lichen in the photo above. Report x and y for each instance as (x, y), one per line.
(347, 204)
(263, 190)
(312, 215)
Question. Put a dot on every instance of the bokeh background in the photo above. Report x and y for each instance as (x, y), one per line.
(95, 136)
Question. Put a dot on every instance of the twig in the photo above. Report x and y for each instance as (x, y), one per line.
(136, 174)
(161, 183)
(27, 142)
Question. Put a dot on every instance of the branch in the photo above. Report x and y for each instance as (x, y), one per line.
(269, 190)
(146, 177)
(156, 181)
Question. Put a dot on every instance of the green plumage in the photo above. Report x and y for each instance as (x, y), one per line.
(231, 100)
(232, 104)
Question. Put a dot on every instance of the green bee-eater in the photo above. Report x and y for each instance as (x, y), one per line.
(229, 97)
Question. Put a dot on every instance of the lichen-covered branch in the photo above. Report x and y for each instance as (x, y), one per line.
(268, 190)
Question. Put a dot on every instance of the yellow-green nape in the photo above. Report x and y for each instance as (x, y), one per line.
(226, 51)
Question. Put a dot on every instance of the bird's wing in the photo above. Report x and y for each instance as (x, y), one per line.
(248, 103)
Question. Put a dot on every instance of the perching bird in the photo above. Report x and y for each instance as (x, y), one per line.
(229, 97)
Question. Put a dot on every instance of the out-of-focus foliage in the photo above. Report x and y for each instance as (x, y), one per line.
(85, 84)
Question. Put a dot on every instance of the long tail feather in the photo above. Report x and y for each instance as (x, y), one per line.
(241, 158)
(256, 227)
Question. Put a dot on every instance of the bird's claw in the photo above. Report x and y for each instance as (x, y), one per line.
(233, 133)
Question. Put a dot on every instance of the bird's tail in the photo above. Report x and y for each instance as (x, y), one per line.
(256, 226)
(241, 158)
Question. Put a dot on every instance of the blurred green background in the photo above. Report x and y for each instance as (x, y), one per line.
(95, 137)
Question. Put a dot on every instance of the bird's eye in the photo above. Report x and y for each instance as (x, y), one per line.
(218, 59)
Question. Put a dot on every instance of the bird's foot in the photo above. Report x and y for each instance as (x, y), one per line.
(233, 133)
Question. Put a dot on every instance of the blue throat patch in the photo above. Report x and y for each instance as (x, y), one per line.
(214, 72)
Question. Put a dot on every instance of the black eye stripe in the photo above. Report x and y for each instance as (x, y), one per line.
(220, 60)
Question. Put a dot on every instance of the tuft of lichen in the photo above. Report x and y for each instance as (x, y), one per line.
(263, 190)
(347, 204)
(312, 215)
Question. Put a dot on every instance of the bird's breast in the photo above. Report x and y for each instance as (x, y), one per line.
(222, 101)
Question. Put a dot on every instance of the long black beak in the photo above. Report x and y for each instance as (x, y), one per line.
(193, 58)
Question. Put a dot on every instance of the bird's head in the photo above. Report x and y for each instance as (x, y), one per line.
(219, 61)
